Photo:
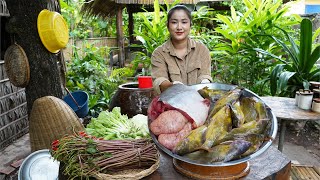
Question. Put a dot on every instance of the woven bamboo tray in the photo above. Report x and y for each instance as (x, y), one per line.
(131, 174)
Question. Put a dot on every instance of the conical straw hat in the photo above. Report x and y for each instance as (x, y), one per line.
(51, 119)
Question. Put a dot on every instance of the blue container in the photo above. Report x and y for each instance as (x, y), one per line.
(82, 99)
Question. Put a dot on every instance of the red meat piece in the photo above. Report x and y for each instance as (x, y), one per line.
(171, 140)
(169, 122)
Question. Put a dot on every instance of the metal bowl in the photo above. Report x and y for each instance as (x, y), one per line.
(39, 165)
(247, 93)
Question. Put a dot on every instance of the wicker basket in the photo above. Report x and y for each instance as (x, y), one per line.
(132, 174)
(17, 65)
(50, 119)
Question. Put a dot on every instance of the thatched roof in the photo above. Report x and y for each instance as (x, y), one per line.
(107, 8)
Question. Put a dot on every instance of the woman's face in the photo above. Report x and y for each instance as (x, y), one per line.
(179, 25)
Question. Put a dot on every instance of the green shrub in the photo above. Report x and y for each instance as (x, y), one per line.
(237, 61)
(91, 74)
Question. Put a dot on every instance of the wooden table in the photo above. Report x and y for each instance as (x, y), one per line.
(285, 110)
(271, 164)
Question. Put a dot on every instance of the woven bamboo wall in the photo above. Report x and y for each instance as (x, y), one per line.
(110, 42)
(13, 110)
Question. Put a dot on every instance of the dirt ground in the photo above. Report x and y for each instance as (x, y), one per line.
(306, 135)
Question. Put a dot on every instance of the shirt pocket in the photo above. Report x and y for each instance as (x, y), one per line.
(174, 74)
(194, 67)
(192, 73)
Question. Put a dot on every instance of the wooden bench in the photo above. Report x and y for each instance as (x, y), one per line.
(286, 111)
(300, 172)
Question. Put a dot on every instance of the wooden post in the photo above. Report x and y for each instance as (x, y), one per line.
(130, 25)
(1, 39)
(121, 57)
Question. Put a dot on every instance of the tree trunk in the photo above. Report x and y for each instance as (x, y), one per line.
(44, 71)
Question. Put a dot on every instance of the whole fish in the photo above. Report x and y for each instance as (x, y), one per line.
(191, 142)
(247, 105)
(216, 154)
(237, 114)
(261, 109)
(250, 126)
(255, 139)
(237, 148)
(228, 98)
(263, 127)
(222, 152)
(219, 125)
(212, 94)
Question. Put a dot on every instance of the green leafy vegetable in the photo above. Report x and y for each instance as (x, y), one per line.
(141, 121)
(113, 125)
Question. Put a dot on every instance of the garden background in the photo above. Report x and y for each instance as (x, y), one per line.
(257, 44)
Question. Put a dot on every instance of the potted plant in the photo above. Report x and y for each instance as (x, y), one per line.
(299, 68)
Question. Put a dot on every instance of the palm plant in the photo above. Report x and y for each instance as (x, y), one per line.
(299, 67)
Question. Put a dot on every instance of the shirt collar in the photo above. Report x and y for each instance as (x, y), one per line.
(168, 46)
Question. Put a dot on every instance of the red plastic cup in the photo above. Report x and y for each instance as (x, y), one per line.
(145, 81)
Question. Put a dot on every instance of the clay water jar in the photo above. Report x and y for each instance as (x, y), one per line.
(131, 99)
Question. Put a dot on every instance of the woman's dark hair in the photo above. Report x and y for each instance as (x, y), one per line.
(179, 7)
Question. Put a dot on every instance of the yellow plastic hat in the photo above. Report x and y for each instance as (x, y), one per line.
(53, 30)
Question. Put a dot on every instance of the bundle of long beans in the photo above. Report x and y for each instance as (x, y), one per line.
(83, 155)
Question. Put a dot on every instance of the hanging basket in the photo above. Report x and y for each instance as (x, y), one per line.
(51, 119)
(53, 30)
(17, 65)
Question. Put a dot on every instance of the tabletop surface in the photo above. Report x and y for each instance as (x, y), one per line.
(285, 108)
(267, 164)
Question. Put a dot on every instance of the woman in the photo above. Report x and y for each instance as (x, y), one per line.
(180, 59)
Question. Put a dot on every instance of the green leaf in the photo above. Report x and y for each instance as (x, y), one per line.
(91, 150)
(274, 78)
(315, 75)
(306, 84)
(315, 56)
(305, 43)
(291, 52)
(269, 54)
(156, 11)
(283, 79)
(226, 20)
(316, 34)
(107, 155)
(233, 13)
(225, 34)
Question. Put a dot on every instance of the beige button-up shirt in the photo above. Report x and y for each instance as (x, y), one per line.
(195, 67)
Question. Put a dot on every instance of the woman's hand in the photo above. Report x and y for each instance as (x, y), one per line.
(165, 85)
(177, 82)
(205, 81)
